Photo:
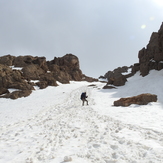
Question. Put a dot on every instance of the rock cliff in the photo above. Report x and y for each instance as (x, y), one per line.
(151, 57)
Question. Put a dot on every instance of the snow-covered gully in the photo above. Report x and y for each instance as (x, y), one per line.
(69, 132)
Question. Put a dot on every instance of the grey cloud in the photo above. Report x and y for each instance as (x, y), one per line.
(104, 34)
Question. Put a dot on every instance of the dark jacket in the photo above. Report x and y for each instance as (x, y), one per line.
(83, 96)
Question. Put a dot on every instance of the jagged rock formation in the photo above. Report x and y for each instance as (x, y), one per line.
(65, 68)
(151, 57)
(19, 72)
(142, 99)
(117, 77)
(13, 79)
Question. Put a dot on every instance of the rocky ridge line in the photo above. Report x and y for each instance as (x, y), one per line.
(23, 73)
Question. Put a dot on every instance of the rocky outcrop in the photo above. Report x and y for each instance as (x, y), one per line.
(151, 57)
(32, 72)
(46, 80)
(142, 99)
(66, 68)
(25, 69)
(17, 94)
(13, 79)
(7, 60)
(117, 76)
(23, 61)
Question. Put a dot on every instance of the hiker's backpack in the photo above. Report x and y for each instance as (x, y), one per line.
(82, 96)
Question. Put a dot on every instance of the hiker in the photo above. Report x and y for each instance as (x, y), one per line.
(83, 97)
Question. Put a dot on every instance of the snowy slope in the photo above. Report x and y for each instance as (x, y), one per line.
(51, 126)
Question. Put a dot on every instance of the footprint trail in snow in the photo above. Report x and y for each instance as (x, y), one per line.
(70, 132)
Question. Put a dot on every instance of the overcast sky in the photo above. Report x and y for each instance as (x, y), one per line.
(103, 34)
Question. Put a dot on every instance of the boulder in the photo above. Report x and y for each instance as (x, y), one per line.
(17, 94)
(119, 80)
(109, 87)
(69, 60)
(142, 99)
(116, 76)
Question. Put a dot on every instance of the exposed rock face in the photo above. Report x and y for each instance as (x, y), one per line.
(63, 69)
(66, 68)
(116, 76)
(142, 99)
(23, 61)
(32, 72)
(7, 60)
(47, 80)
(135, 68)
(13, 79)
(151, 57)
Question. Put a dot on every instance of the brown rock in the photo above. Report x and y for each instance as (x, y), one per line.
(142, 99)
(119, 81)
(109, 87)
(42, 84)
(51, 81)
(135, 68)
(41, 61)
(17, 94)
(65, 68)
(150, 57)
(22, 61)
(32, 72)
(7, 60)
(116, 77)
(13, 79)
(3, 90)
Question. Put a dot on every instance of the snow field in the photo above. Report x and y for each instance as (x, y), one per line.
(62, 130)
